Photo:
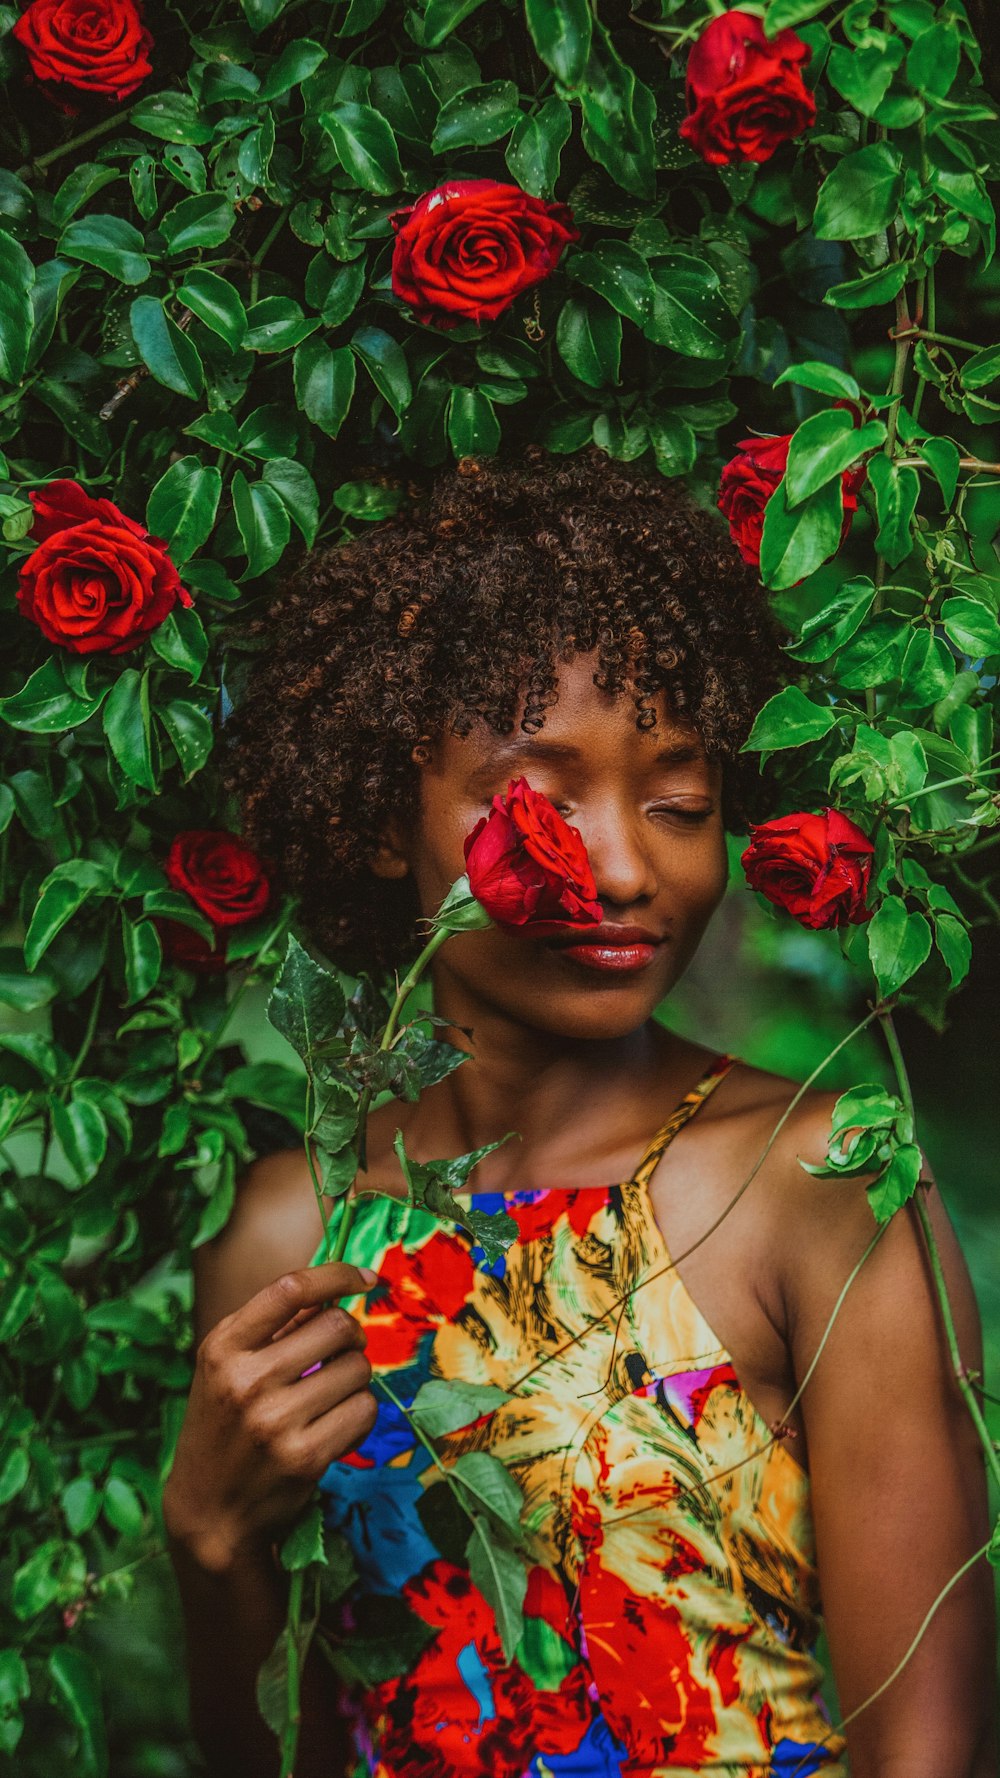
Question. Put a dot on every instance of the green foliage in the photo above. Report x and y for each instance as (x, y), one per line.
(197, 322)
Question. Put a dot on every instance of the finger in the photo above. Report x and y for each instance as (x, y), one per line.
(298, 1320)
(254, 1324)
(328, 1333)
(335, 1382)
(342, 1429)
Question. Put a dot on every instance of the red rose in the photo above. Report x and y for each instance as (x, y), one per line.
(223, 877)
(96, 46)
(97, 583)
(464, 251)
(190, 949)
(528, 868)
(749, 480)
(745, 91)
(816, 867)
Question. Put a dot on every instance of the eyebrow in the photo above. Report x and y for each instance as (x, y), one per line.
(522, 747)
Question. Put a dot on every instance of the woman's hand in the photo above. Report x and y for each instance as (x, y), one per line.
(257, 1435)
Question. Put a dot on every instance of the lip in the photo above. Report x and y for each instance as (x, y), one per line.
(621, 950)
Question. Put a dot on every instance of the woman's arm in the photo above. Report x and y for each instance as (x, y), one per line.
(898, 1480)
(254, 1441)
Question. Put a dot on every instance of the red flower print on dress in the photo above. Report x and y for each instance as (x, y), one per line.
(639, 1652)
(417, 1292)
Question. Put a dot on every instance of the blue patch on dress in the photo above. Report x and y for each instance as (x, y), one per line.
(800, 1757)
(376, 1509)
(477, 1681)
(599, 1755)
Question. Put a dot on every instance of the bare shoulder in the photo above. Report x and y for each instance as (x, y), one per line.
(274, 1228)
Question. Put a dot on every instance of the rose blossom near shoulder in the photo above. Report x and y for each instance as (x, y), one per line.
(745, 91)
(95, 46)
(465, 250)
(750, 478)
(98, 582)
(528, 868)
(815, 866)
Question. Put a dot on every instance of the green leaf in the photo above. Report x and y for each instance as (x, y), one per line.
(475, 116)
(127, 727)
(896, 492)
(183, 504)
(619, 274)
(932, 64)
(181, 641)
(45, 704)
(83, 1135)
(502, 1578)
(928, 669)
(109, 243)
(297, 491)
(171, 117)
(64, 890)
(789, 719)
(783, 13)
(874, 655)
(863, 75)
(304, 1543)
(618, 112)
(872, 289)
(324, 384)
(385, 361)
(307, 1003)
(167, 352)
(76, 1688)
(473, 428)
(77, 189)
(143, 958)
(955, 945)
(823, 447)
(674, 444)
(366, 147)
(15, 1468)
(589, 340)
(297, 61)
(981, 368)
(200, 221)
(442, 17)
(269, 431)
(690, 314)
(491, 1487)
(277, 324)
(898, 943)
(432, 1185)
(861, 195)
(536, 144)
(446, 1404)
(335, 290)
(17, 277)
(972, 626)
(795, 540)
(943, 458)
(190, 730)
(835, 622)
(216, 303)
(263, 523)
(561, 31)
(826, 379)
(897, 1184)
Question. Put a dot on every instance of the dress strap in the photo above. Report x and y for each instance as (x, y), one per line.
(682, 1114)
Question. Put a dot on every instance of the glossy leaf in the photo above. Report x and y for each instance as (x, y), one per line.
(365, 146)
(861, 195)
(166, 351)
(17, 275)
(183, 504)
(561, 31)
(216, 303)
(324, 384)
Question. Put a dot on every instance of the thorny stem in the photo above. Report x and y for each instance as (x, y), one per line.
(937, 1270)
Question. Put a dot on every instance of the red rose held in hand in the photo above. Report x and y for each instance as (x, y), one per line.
(528, 868)
(467, 249)
(816, 867)
(96, 46)
(749, 480)
(745, 91)
(227, 882)
(98, 582)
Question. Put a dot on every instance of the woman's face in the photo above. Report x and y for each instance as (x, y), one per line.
(647, 806)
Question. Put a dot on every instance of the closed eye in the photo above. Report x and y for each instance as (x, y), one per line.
(692, 816)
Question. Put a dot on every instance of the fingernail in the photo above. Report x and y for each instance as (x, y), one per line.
(368, 1275)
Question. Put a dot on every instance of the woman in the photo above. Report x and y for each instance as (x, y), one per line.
(580, 625)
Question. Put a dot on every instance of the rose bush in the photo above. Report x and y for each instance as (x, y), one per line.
(750, 478)
(464, 251)
(93, 46)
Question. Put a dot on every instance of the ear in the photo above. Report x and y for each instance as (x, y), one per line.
(390, 861)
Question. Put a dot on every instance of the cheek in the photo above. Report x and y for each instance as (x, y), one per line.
(695, 878)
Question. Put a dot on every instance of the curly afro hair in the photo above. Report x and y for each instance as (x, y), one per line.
(458, 610)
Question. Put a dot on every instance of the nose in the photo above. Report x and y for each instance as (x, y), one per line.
(620, 856)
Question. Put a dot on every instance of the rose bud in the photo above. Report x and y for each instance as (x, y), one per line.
(750, 478)
(528, 868)
(464, 251)
(817, 867)
(745, 91)
(98, 582)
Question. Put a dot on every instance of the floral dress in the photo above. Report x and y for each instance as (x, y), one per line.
(672, 1603)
